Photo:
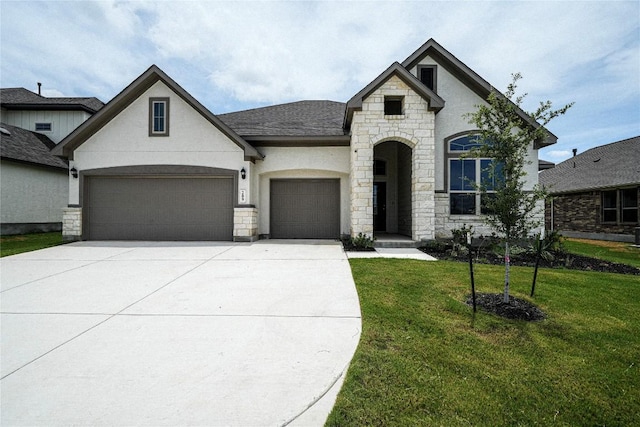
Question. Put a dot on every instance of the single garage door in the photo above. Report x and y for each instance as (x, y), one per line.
(305, 209)
(159, 208)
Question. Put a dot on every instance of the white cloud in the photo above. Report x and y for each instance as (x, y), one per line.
(234, 55)
(557, 155)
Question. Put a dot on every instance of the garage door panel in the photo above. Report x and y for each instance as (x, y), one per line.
(166, 208)
(305, 208)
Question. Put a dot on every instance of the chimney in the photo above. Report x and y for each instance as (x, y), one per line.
(575, 151)
(39, 86)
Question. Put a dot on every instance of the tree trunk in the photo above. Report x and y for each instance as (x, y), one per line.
(507, 264)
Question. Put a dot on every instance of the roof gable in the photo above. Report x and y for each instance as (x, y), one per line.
(132, 92)
(28, 147)
(468, 77)
(612, 165)
(355, 103)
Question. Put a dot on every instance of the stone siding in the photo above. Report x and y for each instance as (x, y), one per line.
(245, 224)
(71, 223)
(415, 128)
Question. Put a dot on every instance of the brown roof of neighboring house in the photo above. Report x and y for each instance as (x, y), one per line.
(23, 99)
(612, 165)
(28, 147)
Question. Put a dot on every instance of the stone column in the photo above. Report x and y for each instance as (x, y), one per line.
(72, 223)
(245, 224)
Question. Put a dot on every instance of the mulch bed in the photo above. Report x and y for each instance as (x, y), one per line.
(560, 260)
(516, 308)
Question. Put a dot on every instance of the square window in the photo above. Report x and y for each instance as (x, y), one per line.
(158, 116)
(379, 167)
(393, 105)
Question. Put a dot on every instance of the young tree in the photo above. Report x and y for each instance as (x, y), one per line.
(505, 137)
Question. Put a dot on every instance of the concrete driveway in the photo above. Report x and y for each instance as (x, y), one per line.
(157, 333)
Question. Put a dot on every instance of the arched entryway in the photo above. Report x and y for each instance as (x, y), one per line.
(392, 205)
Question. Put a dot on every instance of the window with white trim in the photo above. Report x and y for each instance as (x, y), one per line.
(464, 173)
(158, 116)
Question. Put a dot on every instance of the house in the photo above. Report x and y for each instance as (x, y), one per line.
(155, 164)
(35, 186)
(595, 194)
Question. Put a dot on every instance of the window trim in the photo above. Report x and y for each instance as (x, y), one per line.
(47, 124)
(152, 102)
(455, 155)
(435, 76)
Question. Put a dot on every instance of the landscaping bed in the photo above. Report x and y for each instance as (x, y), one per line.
(553, 259)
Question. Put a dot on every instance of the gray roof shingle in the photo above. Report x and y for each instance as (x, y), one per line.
(30, 147)
(22, 98)
(612, 165)
(302, 118)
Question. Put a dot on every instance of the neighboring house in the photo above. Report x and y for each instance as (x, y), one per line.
(34, 184)
(54, 117)
(595, 194)
(155, 164)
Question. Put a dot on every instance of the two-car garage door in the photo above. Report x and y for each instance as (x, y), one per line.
(159, 208)
(201, 208)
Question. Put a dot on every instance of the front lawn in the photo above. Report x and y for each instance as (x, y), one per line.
(619, 252)
(424, 359)
(11, 245)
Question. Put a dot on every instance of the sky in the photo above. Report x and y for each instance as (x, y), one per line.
(237, 55)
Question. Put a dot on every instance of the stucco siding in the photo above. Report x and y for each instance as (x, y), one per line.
(300, 162)
(125, 141)
(451, 120)
(32, 194)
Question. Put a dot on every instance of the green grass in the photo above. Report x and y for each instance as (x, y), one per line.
(425, 360)
(619, 252)
(11, 245)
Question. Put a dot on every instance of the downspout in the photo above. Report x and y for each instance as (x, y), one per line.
(551, 225)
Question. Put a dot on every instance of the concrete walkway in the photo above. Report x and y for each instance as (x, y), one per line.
(135, 333)
(403, 253)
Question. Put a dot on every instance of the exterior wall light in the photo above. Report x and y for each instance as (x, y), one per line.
(74, 172)
(243, 173)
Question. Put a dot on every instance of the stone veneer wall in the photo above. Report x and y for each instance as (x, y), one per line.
(445, 222)
(415, 128)
(245, 224)
(71, 223)
(581, 212)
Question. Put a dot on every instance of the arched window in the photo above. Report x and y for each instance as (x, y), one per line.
(463, 173)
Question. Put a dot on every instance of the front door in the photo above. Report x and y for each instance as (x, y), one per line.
(379, 206)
